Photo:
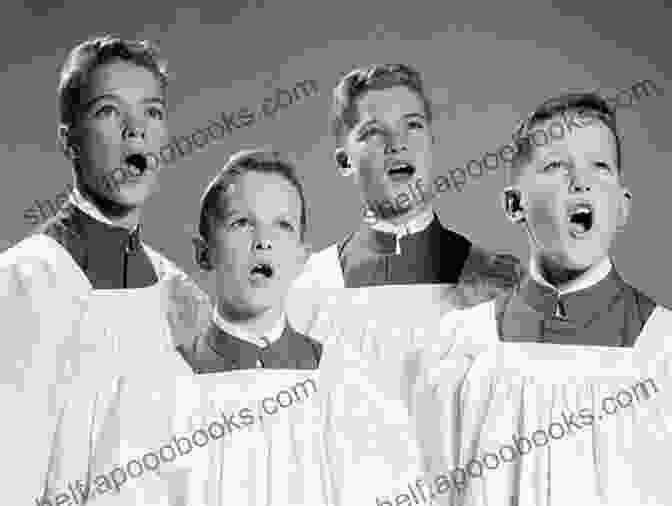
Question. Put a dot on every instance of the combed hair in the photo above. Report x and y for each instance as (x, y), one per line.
(266, 161)
(585, 103)
(375, 77)
(82, 60)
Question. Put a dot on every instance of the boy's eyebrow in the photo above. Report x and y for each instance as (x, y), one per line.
(414, 115)
(405, 116)
(112, 96)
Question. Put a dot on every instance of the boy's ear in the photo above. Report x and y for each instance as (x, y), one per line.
(343, 162)
(513, 204)
(202, 253)
(65, 142)
(624, 211)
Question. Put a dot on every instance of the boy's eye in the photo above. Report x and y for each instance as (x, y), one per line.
(287, 225)
(553, 166)
(240, 222)
(156, 113)
(369, 132)
(416, 124)
(105, 111)
(604, 167)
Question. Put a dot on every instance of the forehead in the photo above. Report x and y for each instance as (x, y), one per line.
(258, 190)
(389, 103)
(124, 79)
(594, 140)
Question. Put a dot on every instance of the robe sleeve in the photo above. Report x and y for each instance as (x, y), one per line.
(39, 311)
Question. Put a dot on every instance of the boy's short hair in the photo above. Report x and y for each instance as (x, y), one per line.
(375, 77)
(585, 103)
(94, 52)
(265, 161)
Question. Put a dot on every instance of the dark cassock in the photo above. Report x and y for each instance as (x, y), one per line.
(226, 347)
(569, 360)
(422, 251)
(602, 310)
(88, 303)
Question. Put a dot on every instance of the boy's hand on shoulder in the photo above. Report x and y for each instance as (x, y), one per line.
(485, 275)
(189, 309)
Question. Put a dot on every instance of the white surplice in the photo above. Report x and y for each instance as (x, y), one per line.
(491, 392)
(71, 351)
(329, 436)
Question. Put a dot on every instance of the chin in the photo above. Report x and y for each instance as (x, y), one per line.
(576, 259)
(133, 196)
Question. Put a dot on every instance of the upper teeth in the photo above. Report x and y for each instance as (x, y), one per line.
(400, 166)
(581, 210)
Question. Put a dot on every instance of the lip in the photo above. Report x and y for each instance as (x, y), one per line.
(401, 177)
(575, 229)
(260, 280)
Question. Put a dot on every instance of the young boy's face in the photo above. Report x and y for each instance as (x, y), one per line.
(256, 247)
(123, 113)
(572, 196)
(390, 146)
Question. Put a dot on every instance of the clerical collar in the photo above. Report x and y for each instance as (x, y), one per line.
(589, 278)
(243, 334)
(413, 226)
(87, 207)
(576, 300)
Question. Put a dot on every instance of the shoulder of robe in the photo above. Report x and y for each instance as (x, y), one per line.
(322, 270)
(188, 306)
(37, 262)
(474, 327)
(485, 276)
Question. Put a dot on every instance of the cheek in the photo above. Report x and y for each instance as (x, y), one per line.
(100, 144)
(611, 212)
(543, 215)
(232, 256)
(158, 135)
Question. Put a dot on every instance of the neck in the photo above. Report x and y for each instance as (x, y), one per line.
(560, 276)
(119, 215)
(252, 322)
(409, 216)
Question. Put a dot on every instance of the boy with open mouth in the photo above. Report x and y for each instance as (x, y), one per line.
(570, 198)
(540, 362)
(382, 121)
(89, 301)
(252, 230)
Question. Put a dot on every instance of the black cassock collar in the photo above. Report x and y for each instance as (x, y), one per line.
(111, 257)
(370, 257)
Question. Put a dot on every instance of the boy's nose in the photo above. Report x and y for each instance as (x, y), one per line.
(262, 244)
(579, 182)
(133, 130)
(395, 144)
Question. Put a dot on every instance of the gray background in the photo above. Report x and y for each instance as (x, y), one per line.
(485, 63)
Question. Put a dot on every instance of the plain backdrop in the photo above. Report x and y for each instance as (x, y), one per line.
(486, 64)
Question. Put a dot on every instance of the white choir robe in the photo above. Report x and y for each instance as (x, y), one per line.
(498, 392)
(332, 438)
(396, 327)
(70, 348)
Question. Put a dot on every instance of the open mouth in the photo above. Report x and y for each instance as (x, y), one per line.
(261, 271)
(400, 171)
(581, 219)
(137, 164)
